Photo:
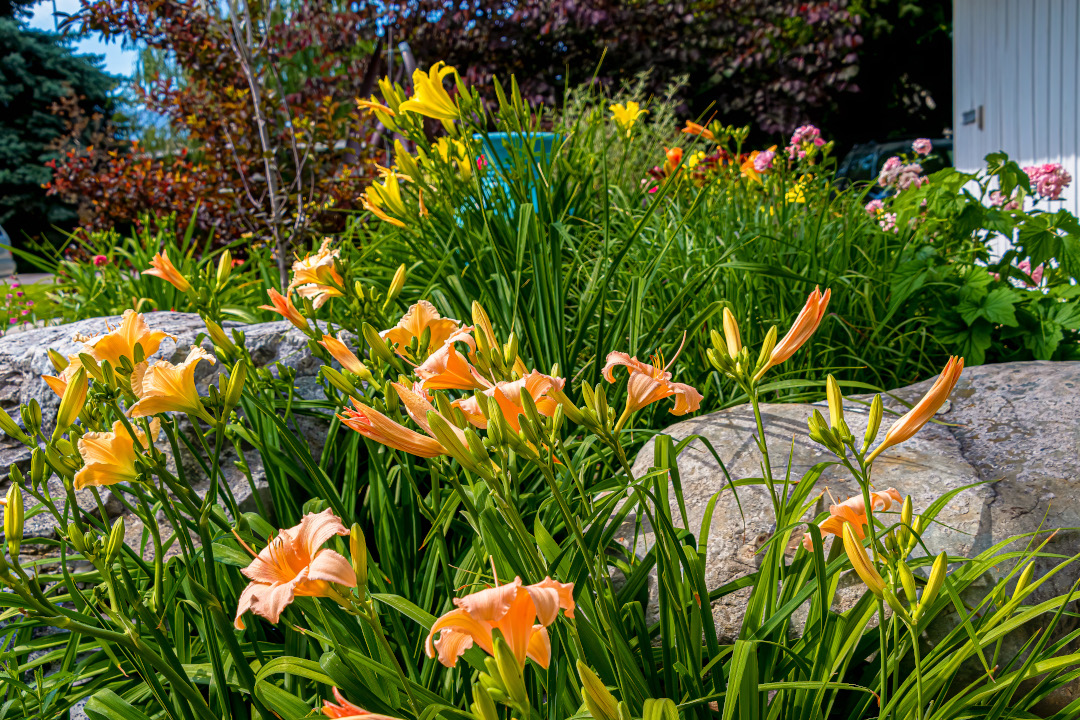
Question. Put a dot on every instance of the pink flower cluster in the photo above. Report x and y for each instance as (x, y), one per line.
(803, 140)
(764, 160)
(1048, 180)
(887, 221)
(17, 307)
(903, 176)
(874, 207)
(1024, 266)
(922, 146)
(998, 199)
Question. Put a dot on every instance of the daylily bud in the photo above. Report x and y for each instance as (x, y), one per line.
(31, 417)
(116, 540)
(224, 268)
(476, 447)
(903, 535)
(449, 440)
(37, 467)
(358, 553)
(861, 562)
(11, 429)
(218, 337)
(59, 362)
(483, 707)
(836, 408)
(936, 580)
(236, 383)
(821, 433)
(908, 581)
(492, 681)
(377, 345)
(601, 703)
(510, 351)
(91, 366)
(13, 519)
(731, 333)
(766, 349)
(873, 423)
(78, 540)
(72, 402)
(510, 672)
(338, 380)
(894, 603)
(15, 474)
(396, 284)
(1024, 581)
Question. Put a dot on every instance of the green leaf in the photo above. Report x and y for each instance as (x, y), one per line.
(107, 705)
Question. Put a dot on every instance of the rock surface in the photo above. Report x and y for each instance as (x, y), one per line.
(1013, 427)
(24, 359)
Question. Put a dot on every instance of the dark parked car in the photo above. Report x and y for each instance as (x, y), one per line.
(864, 161)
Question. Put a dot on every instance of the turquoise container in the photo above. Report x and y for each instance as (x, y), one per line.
(499, 150)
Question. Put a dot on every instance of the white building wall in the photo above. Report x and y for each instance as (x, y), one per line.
(1015, 70)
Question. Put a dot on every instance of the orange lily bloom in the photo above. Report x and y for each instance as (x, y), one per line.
(109, 457)
(315, 277)
(904, 428)
(163, 268)
(693, 128)
(417, 404)
(343, 355)
(375, 106)
(373, 424)
(853, 511)
(674, 157)
(418, 318)
(294, 564)
(804, 326)
(348, 711)
(59, 382)
(514, 610)
(121, 341)
(508, 395)
(164, 387)
(649, 383)
(447, 369)
(284, 307)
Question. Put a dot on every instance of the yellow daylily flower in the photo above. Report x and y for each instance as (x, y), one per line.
(121, 341)
(164, 387)
(626, 116)
(430, 98)
(110, 457)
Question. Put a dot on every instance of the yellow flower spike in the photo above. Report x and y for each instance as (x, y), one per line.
(861, 562)
(731, 334)
(164, 387)
(626, 116)
(109, 457)
(906, 427)
(163, 268)
(430, 98)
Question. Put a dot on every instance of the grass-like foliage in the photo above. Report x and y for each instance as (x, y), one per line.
(472, 541)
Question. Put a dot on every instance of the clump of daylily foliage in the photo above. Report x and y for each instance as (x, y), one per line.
(453, 549)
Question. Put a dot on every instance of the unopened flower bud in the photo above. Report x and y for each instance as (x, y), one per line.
(873, 423)
(1024, 581)
(91, 366)
(224, 269)
(903, 535)
(598, 699)
(836, 408)
(37, 468)
(732, 338)
(11, 429)
(934, 583)
(358, 554)
(483, 707)
(72, 402)
(766, 349)
(236, 383)
(377, 345)
(908, 581)
(13, 519)
(510, 672)
(338, 380)
(219, 338)
(116, 540)
(396, 284)
(59, 362)
(78, 540)
(894, 603)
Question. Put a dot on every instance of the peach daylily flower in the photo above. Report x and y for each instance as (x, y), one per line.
(904, 428)
(109, 457)
(804, 326)
(340, 352)
(163, 268)
(418, 318)
(58, 383)
(447, 369)
(348, 711)
(121, 341)
(853, 511)
(315, 277)
(294, 564)
(514, 610)
(374, 425)
(693, 128)
(649, 383)
(508, 395)
(673, 158)
(164, 387)
(283, 306)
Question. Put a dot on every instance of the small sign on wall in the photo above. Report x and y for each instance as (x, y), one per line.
(972, 117)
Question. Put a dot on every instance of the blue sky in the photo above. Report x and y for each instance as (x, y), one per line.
(118, 61)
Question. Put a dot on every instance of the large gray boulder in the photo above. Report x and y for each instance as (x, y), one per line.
(1013, 427)
(24, 359)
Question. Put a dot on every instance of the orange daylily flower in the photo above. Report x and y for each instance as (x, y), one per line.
(284, 307)
(315, 277)
(294, 564)
(693, 128)
(447, 369)
(649, 383)
(346, 710)
(373, 424)
(121, 341)
(508, 396)
(853, 511)
(163, 268)
(340, 352)
(749, 170)
(804, 326)
(164, 387)
(59, 382)
(373, 105)
(674, 157)
(514, 610)
(109, 457)
(418, 318)
(904, 428)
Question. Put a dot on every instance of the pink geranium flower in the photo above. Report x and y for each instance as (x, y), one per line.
(1048, 180)
(922, 146)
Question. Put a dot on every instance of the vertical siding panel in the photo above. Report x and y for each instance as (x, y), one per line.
(1053, 71)
(996, 69)
(1026, 80)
